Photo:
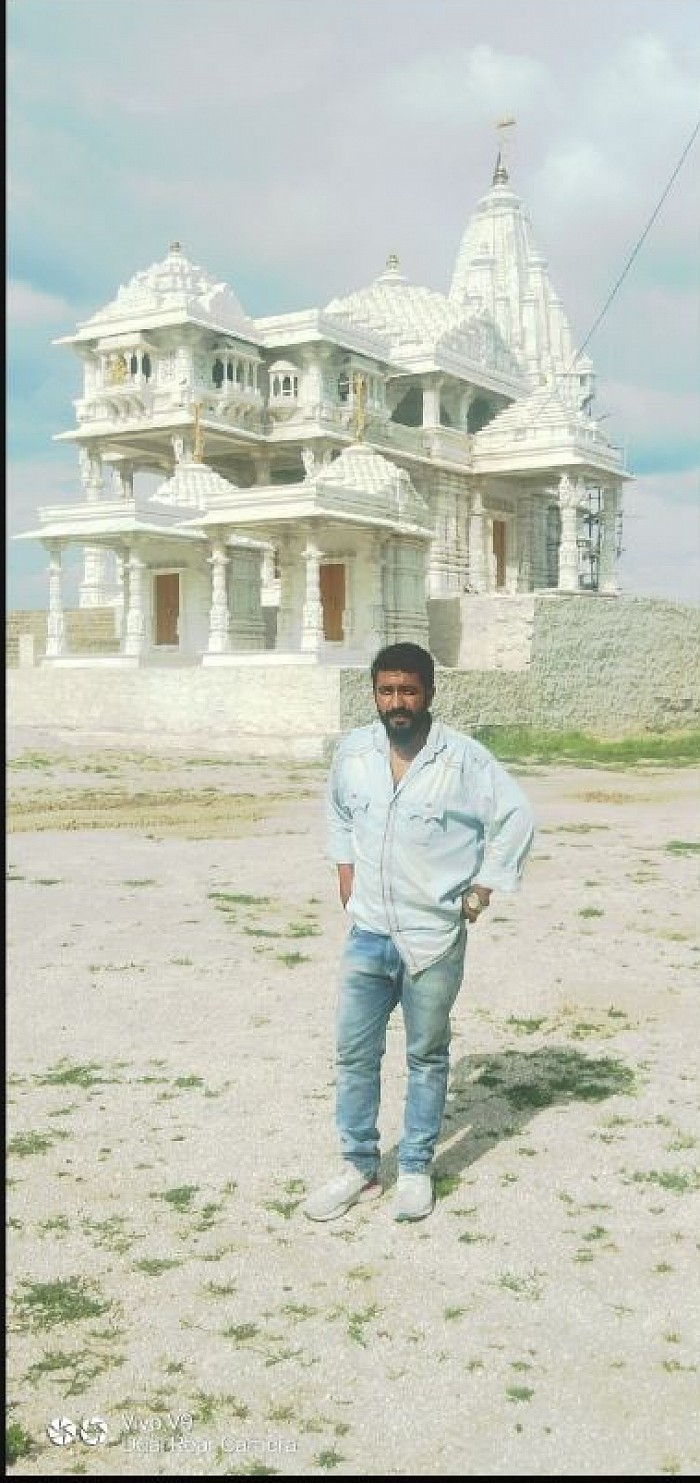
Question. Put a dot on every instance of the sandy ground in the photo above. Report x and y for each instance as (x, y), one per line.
(173, 936)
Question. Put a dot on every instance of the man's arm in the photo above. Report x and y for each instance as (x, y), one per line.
(339, 831)
(346, 875)
(508, 829)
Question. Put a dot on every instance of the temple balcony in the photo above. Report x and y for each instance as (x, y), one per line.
(132, 400)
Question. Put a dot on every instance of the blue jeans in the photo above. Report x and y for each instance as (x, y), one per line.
(373, 980)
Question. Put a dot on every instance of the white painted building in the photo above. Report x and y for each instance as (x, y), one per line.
(397, 446)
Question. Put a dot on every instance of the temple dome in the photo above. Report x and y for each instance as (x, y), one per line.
(394, 307)
(415, 319)
(191, 486)
(384, 486)
(172, 291)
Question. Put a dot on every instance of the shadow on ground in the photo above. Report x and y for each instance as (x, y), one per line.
(493, 1097)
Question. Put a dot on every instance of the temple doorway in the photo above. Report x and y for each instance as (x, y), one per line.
(167, 608)
(332, 585)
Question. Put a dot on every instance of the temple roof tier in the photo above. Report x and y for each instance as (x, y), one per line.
(170, 291)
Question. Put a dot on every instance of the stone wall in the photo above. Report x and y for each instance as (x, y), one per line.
(462, 700)
(615, 665)
(88, 631)
(609, 666)
(285, 709)
(485, 630)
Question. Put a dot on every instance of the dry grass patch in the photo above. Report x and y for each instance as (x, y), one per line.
(203, 813)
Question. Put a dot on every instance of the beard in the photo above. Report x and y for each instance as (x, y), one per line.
(405, 726)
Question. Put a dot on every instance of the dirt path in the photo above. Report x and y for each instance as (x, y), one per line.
(173, 935)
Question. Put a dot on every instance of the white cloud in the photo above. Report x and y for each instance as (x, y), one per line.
(661, 538)
(454, 86)
(31, 306)
(31, 482)
(643, 82)
(653, 416)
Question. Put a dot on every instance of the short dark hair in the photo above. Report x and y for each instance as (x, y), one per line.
(410, 658)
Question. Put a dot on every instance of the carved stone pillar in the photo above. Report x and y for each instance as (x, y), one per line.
(262, 471)
(98, 586)
(607, 574)
(477, 555)
(431, 403)
(123, 481)
(91, 473)
(569, 496)
(312, 388)
(218, 613)
(55, 626)
(377, 628)
(465, 402)
(312, 610)
(525, 542)
(135, 635)
(287, 557)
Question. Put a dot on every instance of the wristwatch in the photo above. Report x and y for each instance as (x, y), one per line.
(474, 901)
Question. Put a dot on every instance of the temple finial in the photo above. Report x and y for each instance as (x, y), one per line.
(500, 174)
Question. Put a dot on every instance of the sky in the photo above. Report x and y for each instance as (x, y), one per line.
(291, 145)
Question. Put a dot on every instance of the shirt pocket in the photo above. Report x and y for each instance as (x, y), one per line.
(357, 805)
(426, 825)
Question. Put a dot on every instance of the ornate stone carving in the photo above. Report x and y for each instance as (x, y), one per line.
(218, 614)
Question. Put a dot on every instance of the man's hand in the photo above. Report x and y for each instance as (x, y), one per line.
(474, 901)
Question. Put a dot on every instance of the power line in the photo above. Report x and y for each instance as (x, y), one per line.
(638, 245)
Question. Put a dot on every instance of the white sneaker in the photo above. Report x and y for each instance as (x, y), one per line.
(336, 1197)
(414, 1197)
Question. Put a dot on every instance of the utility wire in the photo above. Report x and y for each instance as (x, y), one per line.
(626, 268)
(637, 246)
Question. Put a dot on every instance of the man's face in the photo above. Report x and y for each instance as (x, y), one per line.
(402, 703)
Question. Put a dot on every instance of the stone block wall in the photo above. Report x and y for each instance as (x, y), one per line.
(483, 631)
(615, 666)
(464, 701)
(251, 709)
(88, 631)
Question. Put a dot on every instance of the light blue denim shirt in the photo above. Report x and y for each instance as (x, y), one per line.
(456, 818)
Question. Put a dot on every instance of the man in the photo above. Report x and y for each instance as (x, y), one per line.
(423, 825)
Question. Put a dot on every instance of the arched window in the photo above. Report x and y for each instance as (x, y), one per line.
(229, 370)
(134, 365)
(343, 386)
(146, 366)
